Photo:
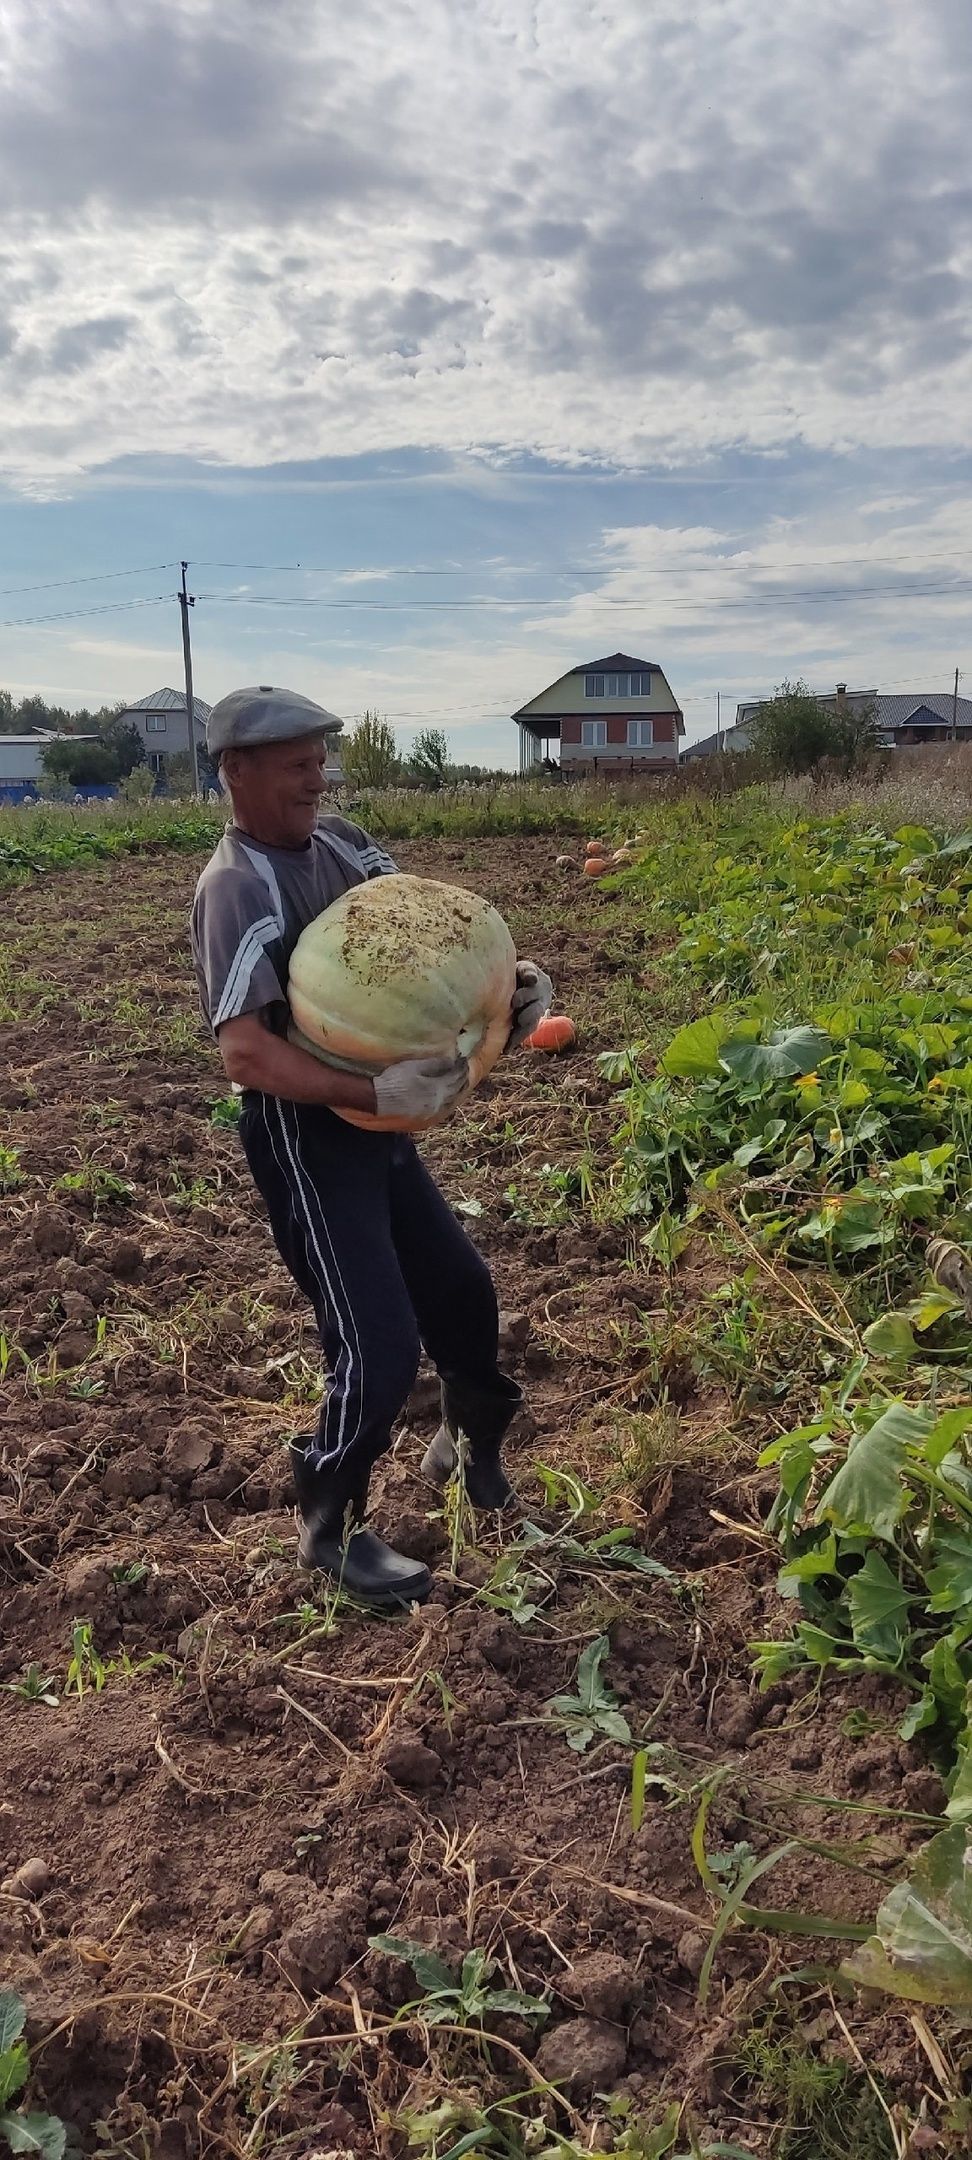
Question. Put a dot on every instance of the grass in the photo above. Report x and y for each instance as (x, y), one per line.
(42, 837)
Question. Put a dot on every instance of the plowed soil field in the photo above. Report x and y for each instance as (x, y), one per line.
(238, 1784)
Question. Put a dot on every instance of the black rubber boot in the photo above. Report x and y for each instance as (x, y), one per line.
(481, 1419)
(335, 1539)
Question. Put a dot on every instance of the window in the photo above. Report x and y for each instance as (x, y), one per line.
(617, 685)
(593, 734)
(594, 686)
(155, 723)
(640, 734)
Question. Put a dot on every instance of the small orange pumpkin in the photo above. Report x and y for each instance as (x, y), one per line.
(596, 865)
(595, 847)
(553, 1032)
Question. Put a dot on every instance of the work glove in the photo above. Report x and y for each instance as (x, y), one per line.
(420, 1088)
(532, 997)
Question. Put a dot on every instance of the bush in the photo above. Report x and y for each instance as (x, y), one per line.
(138, 786)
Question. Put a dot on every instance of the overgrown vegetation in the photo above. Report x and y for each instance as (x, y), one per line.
(816, 1114)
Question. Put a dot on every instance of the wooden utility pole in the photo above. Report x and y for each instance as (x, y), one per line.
(186, 601)
(954, 736)
(719, 719)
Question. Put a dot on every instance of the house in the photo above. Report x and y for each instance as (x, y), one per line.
(903, 718)
(21, 767)
(160, 720)
(617, 714)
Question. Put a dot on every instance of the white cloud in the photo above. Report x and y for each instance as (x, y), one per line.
(618, 233)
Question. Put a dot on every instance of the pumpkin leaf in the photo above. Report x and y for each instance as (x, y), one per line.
(693, 1054)
(879, 1610)
(890, 1337)
(921, 1949)
(867, 1496)
(788, 1051)
(44, 2134)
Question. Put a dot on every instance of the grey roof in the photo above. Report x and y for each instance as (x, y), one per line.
(169, 701)
(899, 708)
(615, 661)
(894, 709)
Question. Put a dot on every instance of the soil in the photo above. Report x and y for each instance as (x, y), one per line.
(250, 1785)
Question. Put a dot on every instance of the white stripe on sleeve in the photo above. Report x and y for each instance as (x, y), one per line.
(248, 952)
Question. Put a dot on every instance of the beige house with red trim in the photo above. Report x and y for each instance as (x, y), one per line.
(617, 714)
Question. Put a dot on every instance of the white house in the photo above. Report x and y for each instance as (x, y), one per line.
(20, 758)
(160, 720)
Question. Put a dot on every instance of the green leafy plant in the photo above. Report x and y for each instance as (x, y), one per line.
(35, 1686)
(593, 1710)
(45, 2135)
(11, 1174)
(463, 1998)
(87, 1669)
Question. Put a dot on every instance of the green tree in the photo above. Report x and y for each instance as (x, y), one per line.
(81, 764)
(429, 757)
(792, 730)
(123, 743)
(856, 732)
(369, 755)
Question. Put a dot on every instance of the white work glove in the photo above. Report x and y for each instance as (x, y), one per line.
(532, 998)
(420, 1087)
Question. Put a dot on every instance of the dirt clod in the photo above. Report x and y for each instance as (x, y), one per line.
(604, 1986)
(30, 1880)
(53, 1232)
(410, 1762)
(583, 2055)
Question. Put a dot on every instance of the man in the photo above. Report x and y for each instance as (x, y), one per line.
(356, 1217)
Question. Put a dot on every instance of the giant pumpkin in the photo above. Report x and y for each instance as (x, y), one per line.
(403, 967)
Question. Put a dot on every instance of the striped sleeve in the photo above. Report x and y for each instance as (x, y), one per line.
(233, 931)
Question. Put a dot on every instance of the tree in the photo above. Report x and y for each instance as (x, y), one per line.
(369, 755)
(124, 744)
(793, 730)
(82, 764)
(429, 757)
(856, 732)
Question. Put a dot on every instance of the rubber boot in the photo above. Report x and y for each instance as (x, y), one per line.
(335, 1539)
(481, 1418)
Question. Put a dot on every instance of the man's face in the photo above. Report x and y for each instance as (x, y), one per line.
(277, 788)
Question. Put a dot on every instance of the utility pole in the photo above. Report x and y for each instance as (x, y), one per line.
(186, 601)
(954, 736)
(719, 719)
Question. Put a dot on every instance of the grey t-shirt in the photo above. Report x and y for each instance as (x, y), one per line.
(251, 904)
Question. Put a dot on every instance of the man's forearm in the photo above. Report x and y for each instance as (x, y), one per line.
(274, 1066)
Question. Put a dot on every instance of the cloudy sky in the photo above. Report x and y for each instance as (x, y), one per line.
(456, 342)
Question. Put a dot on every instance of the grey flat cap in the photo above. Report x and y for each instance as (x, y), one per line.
(264, 715)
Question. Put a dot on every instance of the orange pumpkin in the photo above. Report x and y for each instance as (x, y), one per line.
(596, 865)
(595, 847)
(553, 1032)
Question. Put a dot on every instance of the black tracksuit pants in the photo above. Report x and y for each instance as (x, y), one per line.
(368, 1237)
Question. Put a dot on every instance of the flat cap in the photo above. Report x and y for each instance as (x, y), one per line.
(264, 715)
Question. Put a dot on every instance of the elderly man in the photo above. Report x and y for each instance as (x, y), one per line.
(363, 1229)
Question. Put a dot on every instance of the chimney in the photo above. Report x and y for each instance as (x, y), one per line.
(841, 698)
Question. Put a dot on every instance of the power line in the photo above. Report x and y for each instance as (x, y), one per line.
(96, 577)
(837, 593)
(116, 607)
(600, 570)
